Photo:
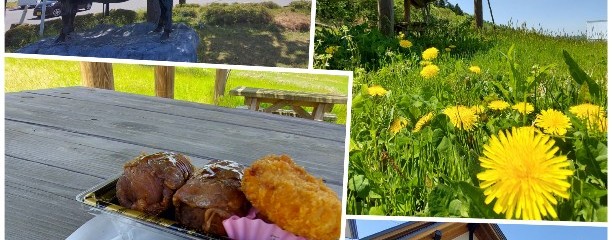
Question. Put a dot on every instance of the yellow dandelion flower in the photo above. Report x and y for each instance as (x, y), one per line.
(430, 54)
(405, 43)
(461, 117)
(586, 110)
(447, 49)
(478, 109)
(475, 69)
(498, 105)
(553, 122)
(523, 107)
(398, 124)
(422, 121)
(523, 174)
(425, 63)
(376, 90)
(430, 71)
(331, 49)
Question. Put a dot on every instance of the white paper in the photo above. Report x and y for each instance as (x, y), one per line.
(108, 227)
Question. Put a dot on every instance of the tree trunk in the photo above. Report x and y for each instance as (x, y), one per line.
(478, 13)
(385, 17)
(153, 11)
(407, 11)
(97, 75)
(164, 81)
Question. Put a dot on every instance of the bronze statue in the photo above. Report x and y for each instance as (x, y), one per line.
(69, 11)
(165, 19)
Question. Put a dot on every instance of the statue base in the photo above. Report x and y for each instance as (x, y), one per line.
(134, 41)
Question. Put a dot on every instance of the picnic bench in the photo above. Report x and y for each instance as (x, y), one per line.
(321, 103)
(63, 141)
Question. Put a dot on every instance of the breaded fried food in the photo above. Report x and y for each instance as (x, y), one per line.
(293, 199)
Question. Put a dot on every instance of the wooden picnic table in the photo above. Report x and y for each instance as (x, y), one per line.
(61, 142)
(321, 103)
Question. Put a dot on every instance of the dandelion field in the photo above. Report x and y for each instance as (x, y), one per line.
(454, 122)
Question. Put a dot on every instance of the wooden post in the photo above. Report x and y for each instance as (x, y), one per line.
(164, 81)
(97, 75)
(478, 13)
(385, 17)
(153, 11)
(220, 82)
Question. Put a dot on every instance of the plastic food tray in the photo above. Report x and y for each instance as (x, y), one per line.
(102, 198)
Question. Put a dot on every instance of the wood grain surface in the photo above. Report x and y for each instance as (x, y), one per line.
(61, 142)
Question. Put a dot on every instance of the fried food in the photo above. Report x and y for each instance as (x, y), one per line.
(211, 196)
(149, 181)
(292, 198)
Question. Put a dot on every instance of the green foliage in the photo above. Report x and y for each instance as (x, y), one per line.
(347, 12)
(186, 13)
(270, 5)
(361, 46)
(222, 14)
(300, 6)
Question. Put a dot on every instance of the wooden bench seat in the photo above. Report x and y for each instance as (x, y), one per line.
(321, 103)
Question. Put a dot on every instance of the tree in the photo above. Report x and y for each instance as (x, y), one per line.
(478, 13)
(182, 1)
(385, 17)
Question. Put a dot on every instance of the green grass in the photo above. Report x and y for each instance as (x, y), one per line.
(191, 84)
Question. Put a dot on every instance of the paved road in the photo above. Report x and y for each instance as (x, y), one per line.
(12, 16)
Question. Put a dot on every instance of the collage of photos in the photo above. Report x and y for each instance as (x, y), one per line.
(305, 119)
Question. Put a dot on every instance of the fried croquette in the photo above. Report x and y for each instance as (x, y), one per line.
(292, 198)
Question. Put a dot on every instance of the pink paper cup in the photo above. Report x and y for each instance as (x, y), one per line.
(247, 228)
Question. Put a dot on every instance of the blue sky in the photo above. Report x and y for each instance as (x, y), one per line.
(567, 16)
(512, 231)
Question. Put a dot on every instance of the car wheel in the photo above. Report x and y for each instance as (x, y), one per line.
(88, 6)
(57, 12)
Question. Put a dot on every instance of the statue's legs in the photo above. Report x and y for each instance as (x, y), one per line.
(165, 19)
(69, 11)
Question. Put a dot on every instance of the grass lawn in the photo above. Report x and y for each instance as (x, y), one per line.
(191, 84)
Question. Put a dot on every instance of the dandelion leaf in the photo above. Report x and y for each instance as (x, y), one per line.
(360, 185)
(376, 211)
(478, 208)
(580, 76)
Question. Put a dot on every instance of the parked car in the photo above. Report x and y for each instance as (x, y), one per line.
(54, 8)
(27, 3)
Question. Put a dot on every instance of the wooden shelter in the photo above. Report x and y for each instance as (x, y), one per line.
(438, 231)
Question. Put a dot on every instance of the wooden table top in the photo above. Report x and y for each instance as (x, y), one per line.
(61, 142)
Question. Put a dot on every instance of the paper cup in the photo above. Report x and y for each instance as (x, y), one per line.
(249, 228)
